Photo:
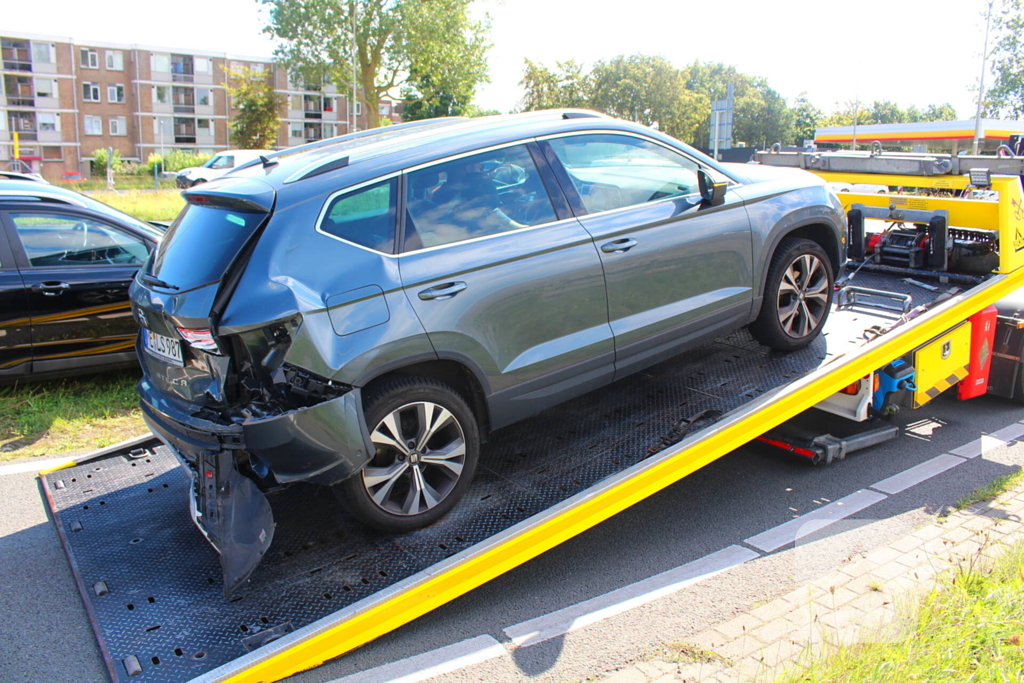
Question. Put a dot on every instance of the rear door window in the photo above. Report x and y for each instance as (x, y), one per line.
(365, 216)
(615, 171)
(475, 196)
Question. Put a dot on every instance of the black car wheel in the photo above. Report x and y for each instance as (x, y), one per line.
(797, 296)
(427, 445)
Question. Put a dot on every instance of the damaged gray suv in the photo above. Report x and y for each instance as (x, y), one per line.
(364, 311)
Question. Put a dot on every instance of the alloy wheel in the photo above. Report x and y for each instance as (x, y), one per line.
(803, 295)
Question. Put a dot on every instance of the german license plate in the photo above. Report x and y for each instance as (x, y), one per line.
(162, 347)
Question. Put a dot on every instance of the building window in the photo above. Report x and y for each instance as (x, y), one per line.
(204, 97)
(43, 53)
(48, 122)
(295, 102)
(46, 87)
(359, 109)
(90, 59)
(384, 110)
(91, 92)
(204, 127)
(115, 94)
(115, 60)
(118, 125)
(161, 94)
(19, 90)
(94, 125)
(3, 120)
(296, 130)
(15, 54)
(160, 63)
(53, 153)
(203, 65)
(256, 71)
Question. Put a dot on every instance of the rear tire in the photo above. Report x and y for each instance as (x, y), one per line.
(428, 443)
(797, 296)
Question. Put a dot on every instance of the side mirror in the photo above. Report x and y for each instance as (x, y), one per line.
(711, 191)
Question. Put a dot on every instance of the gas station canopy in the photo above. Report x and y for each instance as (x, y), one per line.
(931, 136)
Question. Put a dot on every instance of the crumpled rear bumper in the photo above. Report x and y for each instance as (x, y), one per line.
(325, 443)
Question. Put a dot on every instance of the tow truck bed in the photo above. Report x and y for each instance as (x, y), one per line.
(151, 582)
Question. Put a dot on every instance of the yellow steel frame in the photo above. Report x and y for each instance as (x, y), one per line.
(442, 587)
(1005, 215)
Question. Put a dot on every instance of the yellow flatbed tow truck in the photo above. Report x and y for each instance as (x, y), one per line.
(150, 583)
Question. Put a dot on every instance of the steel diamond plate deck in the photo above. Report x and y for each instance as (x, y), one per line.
(125, 519)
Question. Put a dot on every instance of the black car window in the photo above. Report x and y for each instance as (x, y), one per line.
(475, 196)
(615, 171)
(365, 216)
(53, 239)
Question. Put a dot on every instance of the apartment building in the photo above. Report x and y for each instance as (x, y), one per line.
(66, 98)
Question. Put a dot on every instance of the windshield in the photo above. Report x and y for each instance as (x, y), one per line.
(201, 244)
(220, 161)
(142, 226)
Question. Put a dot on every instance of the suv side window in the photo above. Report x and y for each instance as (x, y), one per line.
(475, 196)
(52, 239)
(615, 171)
(365, 216)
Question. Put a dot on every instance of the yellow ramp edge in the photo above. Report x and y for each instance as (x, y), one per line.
(595, 506)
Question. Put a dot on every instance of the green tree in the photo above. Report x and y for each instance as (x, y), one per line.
(760, 117)
(648, 90)
(433, 48)
(443, 72)
(806, 119)
(257, 120)
(1006, 96)
(936, 112)
(546, 89)
(99, 162)
(884, 111)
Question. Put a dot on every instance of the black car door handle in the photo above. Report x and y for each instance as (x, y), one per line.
(618, 246)
(50, 288)
(442, 292)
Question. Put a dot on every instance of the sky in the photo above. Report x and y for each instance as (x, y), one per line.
(906, 51)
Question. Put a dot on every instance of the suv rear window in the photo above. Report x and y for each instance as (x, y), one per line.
(201, 244)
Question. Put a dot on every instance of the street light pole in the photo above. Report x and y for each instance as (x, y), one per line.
(981, 83)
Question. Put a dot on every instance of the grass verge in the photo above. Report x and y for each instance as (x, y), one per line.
(152, 205)
(969, 628)
(69, 415)
(991, 489)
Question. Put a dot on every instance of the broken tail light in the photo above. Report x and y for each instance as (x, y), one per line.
(200, 339)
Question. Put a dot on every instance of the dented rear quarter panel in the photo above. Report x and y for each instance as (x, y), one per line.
(295, 270)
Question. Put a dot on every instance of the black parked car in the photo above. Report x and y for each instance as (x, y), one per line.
(364, 311)
(66, 261)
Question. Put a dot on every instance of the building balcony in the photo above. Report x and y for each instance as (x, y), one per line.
(17, 65)
(314, 115)
(182, 78)
(184, 109)
(185, 139)
(13, 101)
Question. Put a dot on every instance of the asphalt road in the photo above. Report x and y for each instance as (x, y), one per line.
(46, 635)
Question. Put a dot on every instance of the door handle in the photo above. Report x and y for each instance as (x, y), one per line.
(442, 292)
(618, 246)
(50, 288)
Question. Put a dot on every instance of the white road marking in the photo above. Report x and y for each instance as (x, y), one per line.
(617, 601)
(33, 466)
(788, 532)
(429, 664)
(990, 442)
(918, 473)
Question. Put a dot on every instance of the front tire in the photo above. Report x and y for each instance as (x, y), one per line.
(427, 445)
(797, 296)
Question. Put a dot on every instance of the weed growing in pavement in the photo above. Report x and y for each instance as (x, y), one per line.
(970, 627)
(681, 652)
(67, 415)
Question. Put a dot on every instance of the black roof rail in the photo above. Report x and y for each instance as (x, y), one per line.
(369, 132)
(581, 115)
(331, 165)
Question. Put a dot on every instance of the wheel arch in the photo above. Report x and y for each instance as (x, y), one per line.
(815, 229)
(456, 373)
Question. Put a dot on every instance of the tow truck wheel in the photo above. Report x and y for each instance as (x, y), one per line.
(427, 448)
(797, 296)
